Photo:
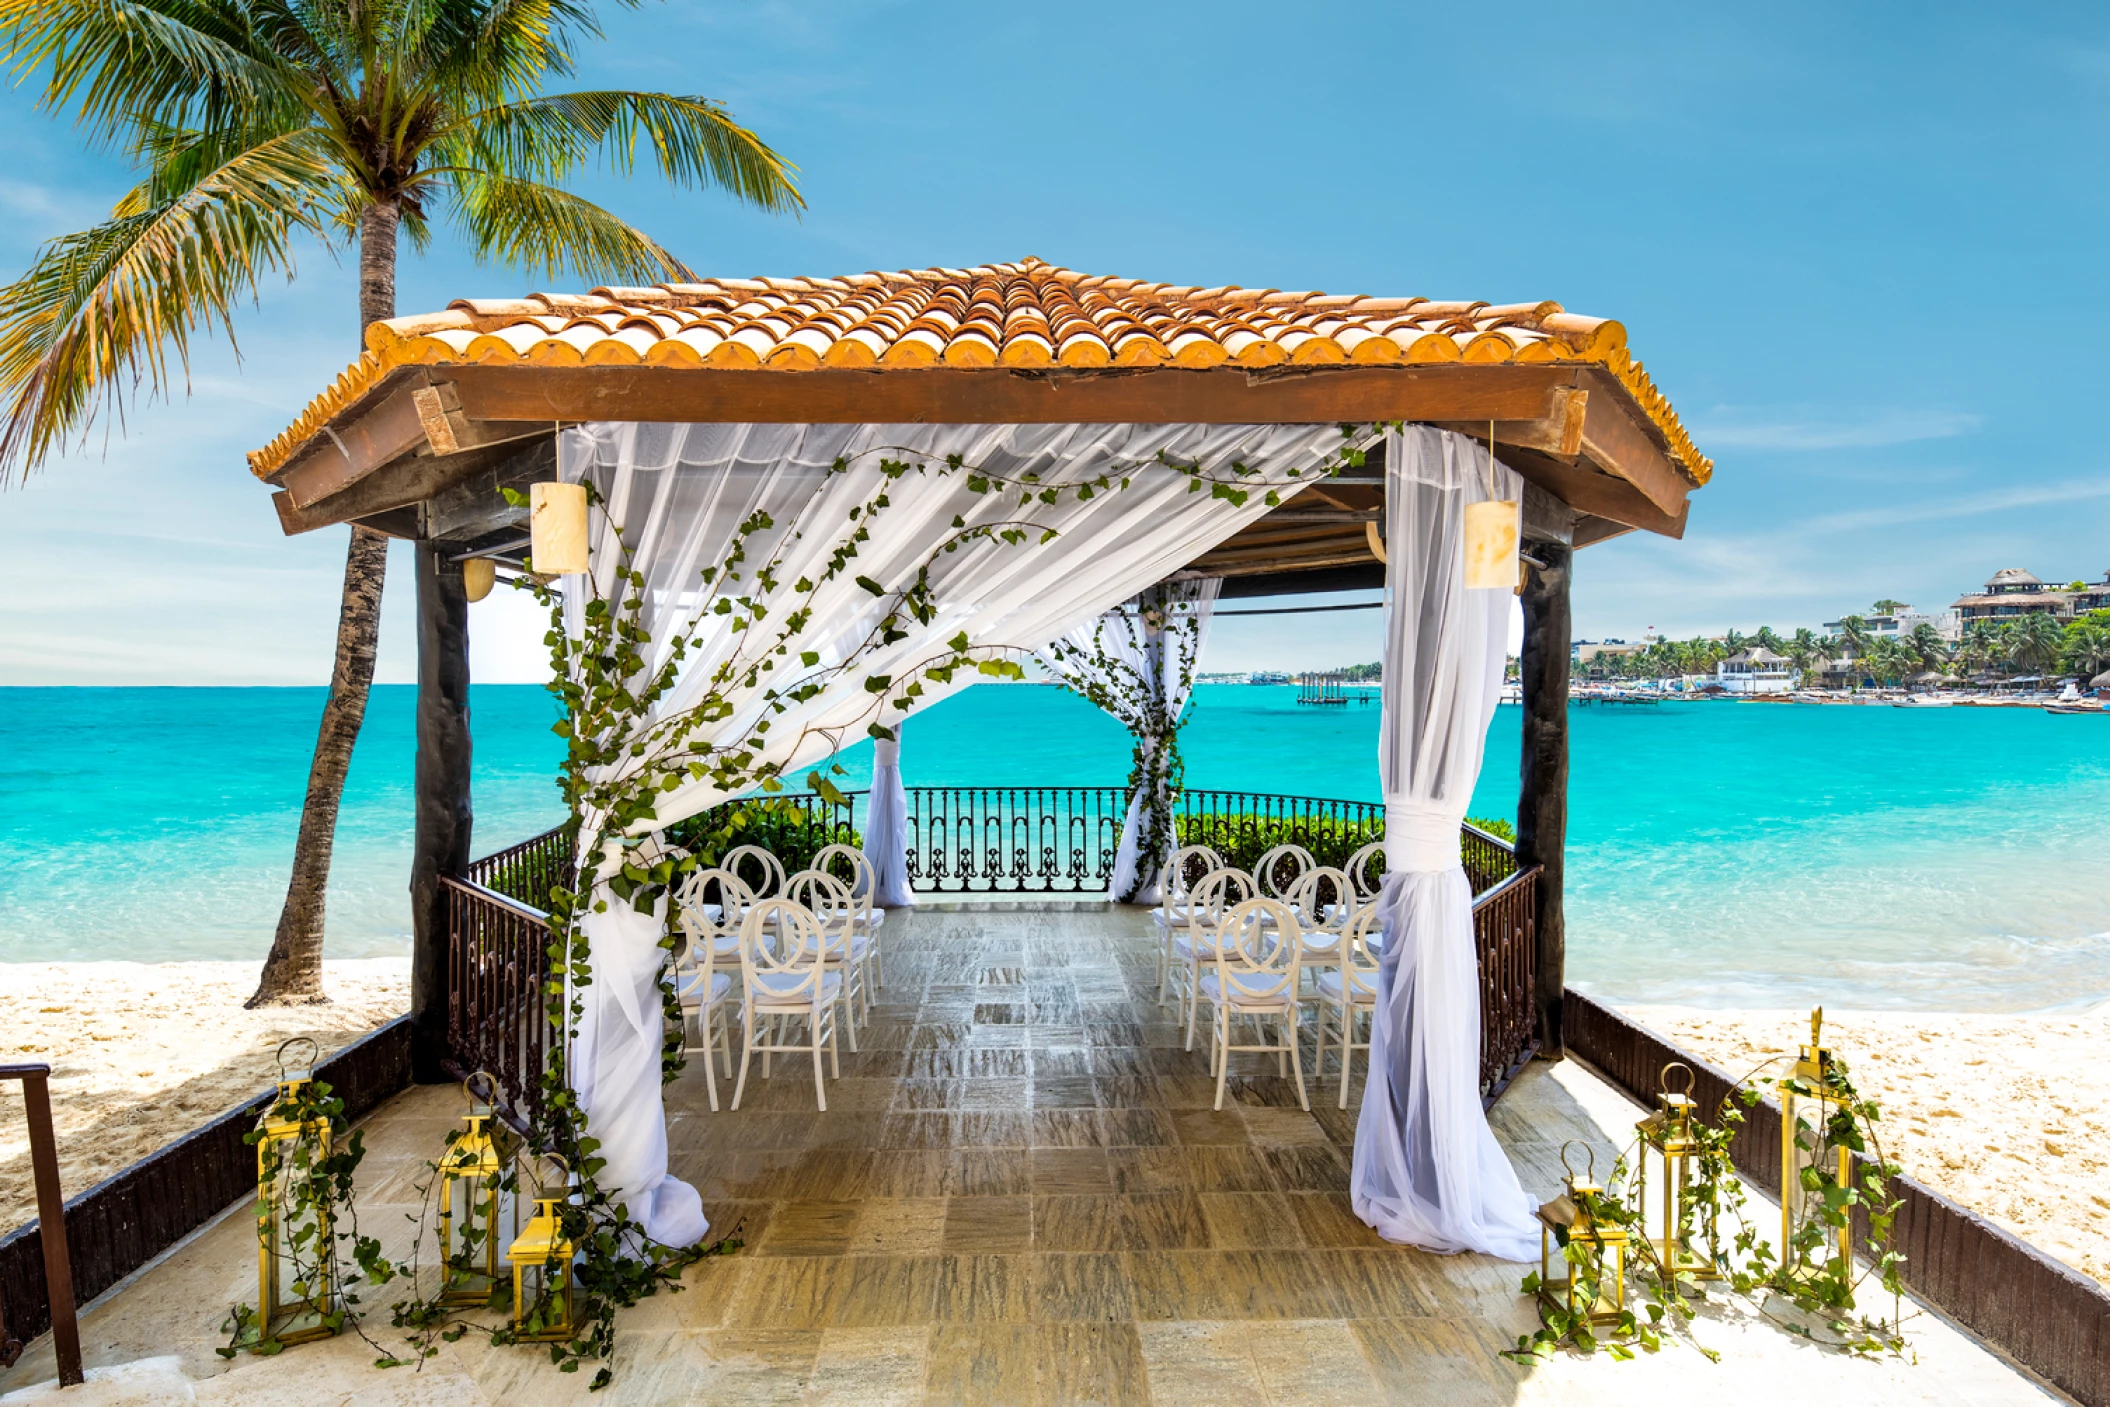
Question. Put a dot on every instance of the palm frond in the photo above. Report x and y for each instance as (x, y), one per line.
(693, 141)
(543, 229)
(98, 311)
(127, 62)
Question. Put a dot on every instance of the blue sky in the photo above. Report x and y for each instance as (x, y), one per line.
(1861, 248)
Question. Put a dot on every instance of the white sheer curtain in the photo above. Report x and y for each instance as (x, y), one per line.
(677, 495)
(886, 826)
(1428, 1171)
(1138, 661)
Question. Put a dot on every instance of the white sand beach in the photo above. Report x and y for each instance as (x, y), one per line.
(141, 1053)
(2008, 1115)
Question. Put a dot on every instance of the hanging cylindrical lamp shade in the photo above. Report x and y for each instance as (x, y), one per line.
(478, 576)
(1491, 544)
(557, 524)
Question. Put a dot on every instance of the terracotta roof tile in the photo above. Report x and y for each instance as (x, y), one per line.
(1028, 314)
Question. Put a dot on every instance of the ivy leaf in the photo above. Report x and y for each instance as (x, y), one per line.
(877, 683)
(958, 643)
(872, 586)
(809, 658)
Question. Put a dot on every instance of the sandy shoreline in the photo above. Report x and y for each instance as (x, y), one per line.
(2008, 1115)
(141, 1053)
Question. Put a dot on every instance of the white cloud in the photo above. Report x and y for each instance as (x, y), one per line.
(1731, 428)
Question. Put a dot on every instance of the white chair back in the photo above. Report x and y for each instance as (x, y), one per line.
(760, 870)
(852, 866)
(781, 956)
(1258, 950)
(1324, 899)
(1212, 896)
(833, 907)
(1358, 960)
(1368, 881)
(1280, 869)
(701, 892)
(1188, 864)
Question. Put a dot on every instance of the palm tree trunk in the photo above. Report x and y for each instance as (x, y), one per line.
(293, 972)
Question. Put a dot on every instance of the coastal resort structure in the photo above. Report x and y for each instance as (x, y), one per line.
(1756, 670)
(2013, 592)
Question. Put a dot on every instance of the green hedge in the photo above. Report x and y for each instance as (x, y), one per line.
(794, 829)
(1243, 837)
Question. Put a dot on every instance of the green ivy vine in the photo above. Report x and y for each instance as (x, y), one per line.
(1808, 1289)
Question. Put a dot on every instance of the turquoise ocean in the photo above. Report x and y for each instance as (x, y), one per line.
(1720, 854)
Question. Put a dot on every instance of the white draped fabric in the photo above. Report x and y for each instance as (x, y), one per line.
(1428, 1171)
(1148, 677)
(677, 494)
(886, 826)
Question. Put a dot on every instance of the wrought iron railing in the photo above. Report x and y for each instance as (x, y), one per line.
(1015, 840)
(967, 840)
(1505, 934)
(497, 992)
(528, 871)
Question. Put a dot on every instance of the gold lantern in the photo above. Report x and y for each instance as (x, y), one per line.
(479, 574)
(1669, 1142)
(471, 1174)
(293, 1240)
(543, 1292)
(1812, 1073)
(557, 528)
(1570, 1220)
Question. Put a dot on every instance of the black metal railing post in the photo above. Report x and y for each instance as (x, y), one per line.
(51, 1226)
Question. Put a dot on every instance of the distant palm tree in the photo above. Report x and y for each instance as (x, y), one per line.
(2087, 648)
(1805, 650)
(1926, 642)
(254, 122)
(1770, 639)
(1888, 607)
(1981, 647)
(1854, 635)
(1732, 641)
(2033, 642)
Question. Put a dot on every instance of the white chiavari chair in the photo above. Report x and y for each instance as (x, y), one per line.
(849, 863)
(1194, 942)
(787, 981)
(1254, 978)
(703, 987)
(1188, 863)
(846, 948)
(1324, 902)
(1348, 990)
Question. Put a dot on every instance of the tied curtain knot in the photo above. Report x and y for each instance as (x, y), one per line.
(1422, 839)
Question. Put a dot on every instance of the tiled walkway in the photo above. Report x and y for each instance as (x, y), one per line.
(1020, 1194)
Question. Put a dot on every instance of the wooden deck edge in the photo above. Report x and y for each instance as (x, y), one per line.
(124, 1221)
(2042, 1313)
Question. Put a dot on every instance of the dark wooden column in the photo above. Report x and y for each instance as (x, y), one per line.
(443, 811)
(1542, 802)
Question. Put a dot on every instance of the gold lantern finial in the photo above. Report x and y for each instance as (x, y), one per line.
(543, 1291)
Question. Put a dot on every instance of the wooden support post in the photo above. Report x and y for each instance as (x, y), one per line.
(444, 815)
(51, 1222)
(1542, 802)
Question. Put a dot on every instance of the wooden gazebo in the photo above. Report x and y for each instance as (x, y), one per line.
(445, 408)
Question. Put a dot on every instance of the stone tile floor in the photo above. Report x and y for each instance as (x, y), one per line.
(1020, 1194)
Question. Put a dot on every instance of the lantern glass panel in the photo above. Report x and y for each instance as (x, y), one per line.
(471, 1197)
(293, 1242)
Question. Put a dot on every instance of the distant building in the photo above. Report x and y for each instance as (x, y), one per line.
(2014, 592)
(1756, 670)
(1904, 621)
(1600, 659)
